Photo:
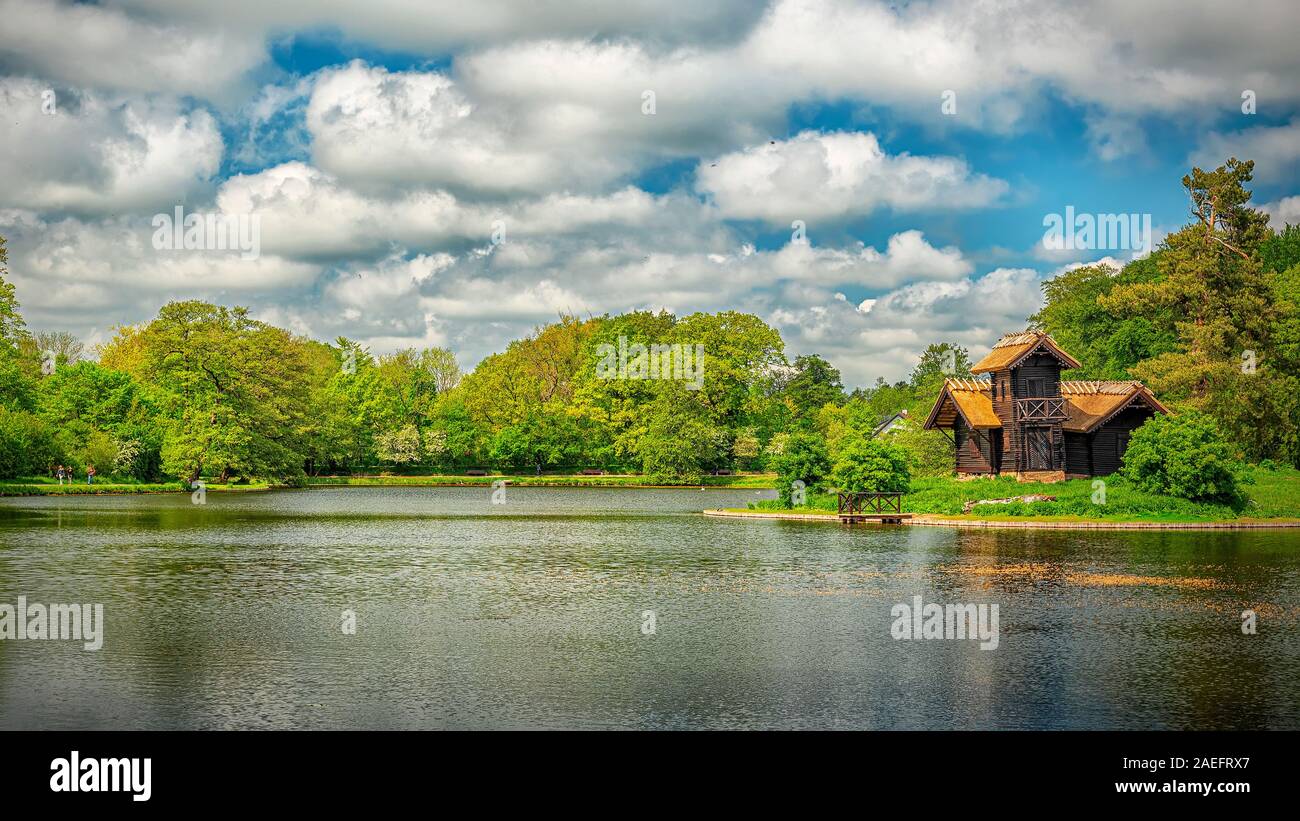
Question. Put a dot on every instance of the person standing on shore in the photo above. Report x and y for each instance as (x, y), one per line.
(60, 473)
(90, 474)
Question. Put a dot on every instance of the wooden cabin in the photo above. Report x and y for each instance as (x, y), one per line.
(1019, 417)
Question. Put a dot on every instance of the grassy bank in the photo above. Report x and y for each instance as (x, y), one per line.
(746, 481)
(1275, 494)
(44, 486)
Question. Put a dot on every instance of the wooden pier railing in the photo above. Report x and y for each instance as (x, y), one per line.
(855, 506)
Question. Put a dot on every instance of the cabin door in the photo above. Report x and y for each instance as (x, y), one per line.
(1038, 448)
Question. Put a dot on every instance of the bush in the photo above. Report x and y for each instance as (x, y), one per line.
(929, 452)
(1185, 456)
(873, 466)
(802, 458)
(400, 446)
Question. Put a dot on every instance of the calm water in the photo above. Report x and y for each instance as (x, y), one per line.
(529, 614)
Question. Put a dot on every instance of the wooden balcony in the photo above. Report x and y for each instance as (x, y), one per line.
(1041, 409)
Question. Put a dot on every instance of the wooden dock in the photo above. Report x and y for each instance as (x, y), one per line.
(883, 508)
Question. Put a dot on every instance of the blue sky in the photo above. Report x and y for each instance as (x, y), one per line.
(387, 150)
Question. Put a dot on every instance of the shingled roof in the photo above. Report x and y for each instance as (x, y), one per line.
(1087, 404)
(1090, 404)
(971, 398)
(1012, 348)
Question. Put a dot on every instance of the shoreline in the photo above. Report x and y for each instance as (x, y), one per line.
(17, 491)
(615, 482)
(1017, 524)
(755, 482)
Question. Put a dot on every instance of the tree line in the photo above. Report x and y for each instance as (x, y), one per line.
(1210, 321)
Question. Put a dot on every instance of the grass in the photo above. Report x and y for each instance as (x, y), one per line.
(746, 480)
(45, 486)
(1275, 494)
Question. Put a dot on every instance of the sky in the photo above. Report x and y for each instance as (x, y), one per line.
(866, 177)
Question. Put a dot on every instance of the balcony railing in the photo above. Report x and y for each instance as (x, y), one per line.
(1043, 409)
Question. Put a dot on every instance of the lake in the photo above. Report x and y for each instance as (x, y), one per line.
(533, 614)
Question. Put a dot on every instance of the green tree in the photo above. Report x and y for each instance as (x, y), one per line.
(742, 356)
(939, 362)
(872, 466)
(1212, 283)
(16, 387)
(929, 452)
(232, 391)
(86, 398)
(802, 459)
(1106, 343)
(1282, 250)
(353, 406)
(811, 385)
(100, 450)
(680, 443)
(27, 444)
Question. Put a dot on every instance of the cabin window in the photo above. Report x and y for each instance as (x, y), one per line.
(1037, 386)
(1121, 442)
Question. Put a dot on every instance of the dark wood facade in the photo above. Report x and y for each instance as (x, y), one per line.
(1102, 452)
(978, 451)
(1032, 436)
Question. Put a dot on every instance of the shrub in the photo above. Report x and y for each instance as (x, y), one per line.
(872, 465)
(929, 452)
(1184, 456)
(803, 458)
(400, 446)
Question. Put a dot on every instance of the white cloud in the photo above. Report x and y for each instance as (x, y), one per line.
(830, 175)
(97, 154)
(434, 26)
(369, 125)
(102, 273)
(907, 257)
(306, 212)
(1273, 148)
(1283, 212)
(95, 47)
